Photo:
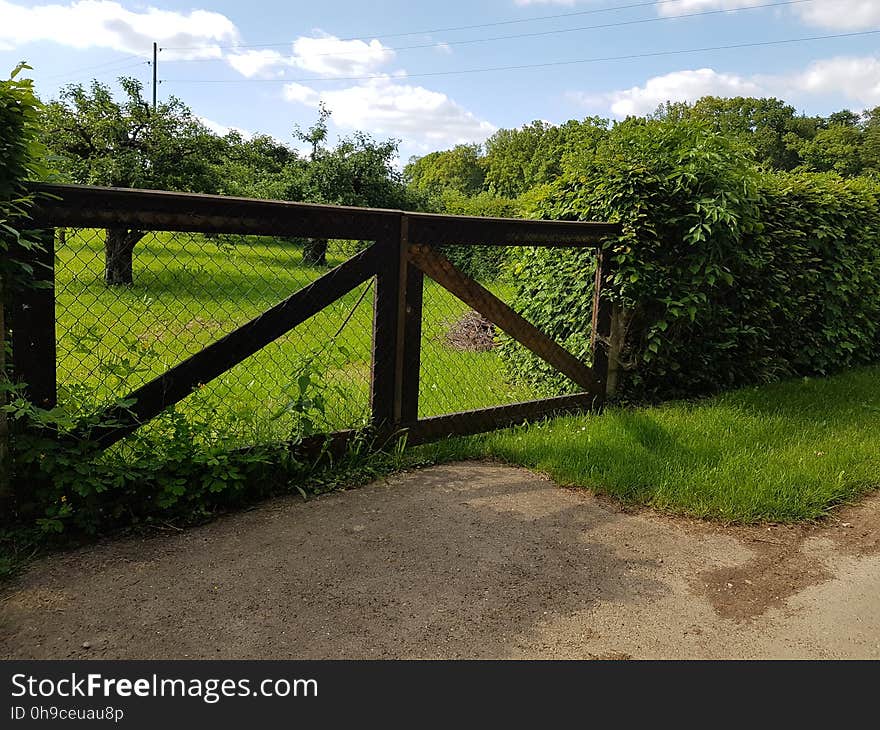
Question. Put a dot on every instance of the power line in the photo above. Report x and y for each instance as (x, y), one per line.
(126, 59)
(654, 54)
(103, 73)
(594, 11)
(602, 26)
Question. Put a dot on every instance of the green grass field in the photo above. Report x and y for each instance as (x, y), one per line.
(190, 290)
(781, 453)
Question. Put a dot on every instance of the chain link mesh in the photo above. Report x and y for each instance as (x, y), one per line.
(190, 289)
(460, 365)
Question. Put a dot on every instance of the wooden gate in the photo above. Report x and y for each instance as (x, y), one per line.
(405, 249)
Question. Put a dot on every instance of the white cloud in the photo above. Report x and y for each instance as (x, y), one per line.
(329, 56)
(677, 86)
(679, 7)
(855, 79)
(222, 130)
(253, 63)
(842, 14)
(444, 48)
(301, 94)
(322, 55)
(385, 107)
(835, 14)
(106, 24)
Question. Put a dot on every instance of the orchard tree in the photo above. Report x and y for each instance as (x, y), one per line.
(357, 171)
(256, 167)
(127, 144)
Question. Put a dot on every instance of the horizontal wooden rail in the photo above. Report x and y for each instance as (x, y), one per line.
(467, 423)
(156, 210)
(95, 207)
(462, 230)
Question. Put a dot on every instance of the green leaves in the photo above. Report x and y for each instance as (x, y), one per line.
(731, 275)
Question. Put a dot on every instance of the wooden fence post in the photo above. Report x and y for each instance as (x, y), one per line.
(397, 335)
(33, 325)
(600, 335)
(409, 333)
(384, 380)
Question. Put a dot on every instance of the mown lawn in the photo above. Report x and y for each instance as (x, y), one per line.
(784, 452)
(190, 290)
(781, 453)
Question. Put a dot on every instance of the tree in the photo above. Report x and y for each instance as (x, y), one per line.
(255, 167)
(128, 144)
(357, 171)
(511, 155)
(461, 169)
(835, 149)
(519, 159)
(770, 126)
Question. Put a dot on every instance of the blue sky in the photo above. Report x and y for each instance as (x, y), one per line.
(390, 68)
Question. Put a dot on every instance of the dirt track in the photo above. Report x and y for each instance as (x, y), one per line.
(467, 560)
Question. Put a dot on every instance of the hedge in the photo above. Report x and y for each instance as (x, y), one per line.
(729, 275)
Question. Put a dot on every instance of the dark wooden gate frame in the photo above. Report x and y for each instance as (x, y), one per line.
(403, 252)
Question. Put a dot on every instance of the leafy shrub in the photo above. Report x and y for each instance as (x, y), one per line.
(184, 465)
(22, 158)
(729, 275)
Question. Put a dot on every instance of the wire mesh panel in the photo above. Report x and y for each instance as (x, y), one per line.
(461, 368)
(158, 292)
(187, 291)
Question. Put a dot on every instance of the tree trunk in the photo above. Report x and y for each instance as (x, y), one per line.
(315, 252)
(118, 249)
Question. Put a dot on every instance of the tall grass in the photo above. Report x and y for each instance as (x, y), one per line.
(784, 452)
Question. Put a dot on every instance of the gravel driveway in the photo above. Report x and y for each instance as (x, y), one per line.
(468, 560)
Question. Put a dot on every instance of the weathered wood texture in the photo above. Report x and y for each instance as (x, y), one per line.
(489, 419)
(441, 270)
(94, 207)
(178, 382)
(32, 315)
(463, 230)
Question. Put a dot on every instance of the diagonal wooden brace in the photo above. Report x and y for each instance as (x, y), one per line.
(178, 382)
(441, 270)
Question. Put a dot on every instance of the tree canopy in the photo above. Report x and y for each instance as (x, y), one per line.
(100, 141)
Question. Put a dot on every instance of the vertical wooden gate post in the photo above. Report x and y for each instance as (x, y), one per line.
(383, 379)
(410, 333)
(33, 325)
(397, 333)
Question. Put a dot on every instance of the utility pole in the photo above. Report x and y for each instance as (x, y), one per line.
(155, 60)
